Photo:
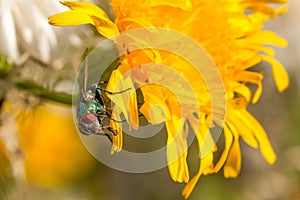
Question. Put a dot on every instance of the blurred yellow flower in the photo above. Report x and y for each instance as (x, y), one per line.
(3, 160)
(5, 171)
(231, 32)
(53, 154)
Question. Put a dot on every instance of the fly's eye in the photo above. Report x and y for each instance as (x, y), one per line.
(93, 88)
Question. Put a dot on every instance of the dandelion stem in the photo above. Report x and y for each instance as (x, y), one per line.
(42, 92)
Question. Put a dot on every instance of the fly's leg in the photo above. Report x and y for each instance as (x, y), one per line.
(108, 115)
(109, 137)
(109, 92)
(100, 97)
(104, 134)
(114, 132)
(118, 121)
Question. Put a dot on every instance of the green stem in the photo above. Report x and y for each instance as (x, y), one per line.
(44, 93)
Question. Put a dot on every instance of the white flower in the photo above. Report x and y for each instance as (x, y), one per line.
(24, 28)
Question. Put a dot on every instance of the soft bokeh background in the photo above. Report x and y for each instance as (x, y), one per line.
(42, 157)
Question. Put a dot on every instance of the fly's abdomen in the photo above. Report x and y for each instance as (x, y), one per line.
(88, 124)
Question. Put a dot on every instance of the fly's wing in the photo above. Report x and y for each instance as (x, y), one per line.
(85, 71)
(82, 82)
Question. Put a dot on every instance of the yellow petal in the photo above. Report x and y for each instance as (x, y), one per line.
(117, 140)
(177, 150)
(187, 190)
(251, 77)
(262, 49)
(244, 91)
(282, 9)
(280, 75)
(205, 163)
(232, 166)
(206, 158)
(236, 119)
(85, 13)
(257, 93)
(261, 136)
(184, 5)
(105, 27)
(228, 142)
(70, 18)
(153, 113)
(154, 109)
(252, 61)
(267, 37)
(126, 100)
(263, 10)
(131, 23)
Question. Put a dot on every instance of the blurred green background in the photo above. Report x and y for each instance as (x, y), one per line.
(57, 165)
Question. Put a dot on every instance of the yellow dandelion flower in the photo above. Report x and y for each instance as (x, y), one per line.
(231, 32)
